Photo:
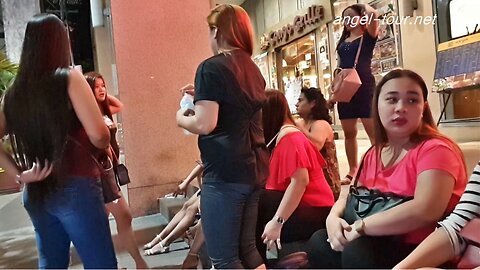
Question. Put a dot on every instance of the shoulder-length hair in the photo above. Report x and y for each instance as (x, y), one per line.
(37, 107)
(360, 10)
(275, 112)
(234, 26)
(319, 111)
(427, 129)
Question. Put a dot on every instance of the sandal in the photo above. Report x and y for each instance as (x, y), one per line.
(152, 243)
(347, 180)
(161, 250)
(191, 261)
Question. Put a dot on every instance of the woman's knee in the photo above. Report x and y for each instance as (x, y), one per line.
(122, 216)
(350, 133)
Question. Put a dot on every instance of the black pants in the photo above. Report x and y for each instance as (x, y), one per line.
(304, 221)
(367, 252)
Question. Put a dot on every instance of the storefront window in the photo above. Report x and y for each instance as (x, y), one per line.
(262, 62)
(464, 17)
(324, 70)
(386, 55)
(457, 74)
(298, 68)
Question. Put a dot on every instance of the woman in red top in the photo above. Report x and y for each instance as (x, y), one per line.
(297, 194)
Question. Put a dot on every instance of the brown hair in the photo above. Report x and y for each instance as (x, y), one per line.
(427, 129)
(274, 113)
(360, 10)
(104, 106)
(234, 26)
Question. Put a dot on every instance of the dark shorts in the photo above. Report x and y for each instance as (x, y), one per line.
(359, 107)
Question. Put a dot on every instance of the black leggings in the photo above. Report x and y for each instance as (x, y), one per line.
(304, 221)
(367, 252)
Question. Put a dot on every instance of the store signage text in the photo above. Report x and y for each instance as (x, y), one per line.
(314, 15)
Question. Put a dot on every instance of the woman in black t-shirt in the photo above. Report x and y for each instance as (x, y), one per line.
(229, 93)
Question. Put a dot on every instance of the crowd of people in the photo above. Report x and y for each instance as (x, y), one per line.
(267, 179)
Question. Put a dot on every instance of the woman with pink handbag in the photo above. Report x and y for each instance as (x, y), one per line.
(355, 50)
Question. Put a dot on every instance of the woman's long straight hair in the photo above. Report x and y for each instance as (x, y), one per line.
(37, 107)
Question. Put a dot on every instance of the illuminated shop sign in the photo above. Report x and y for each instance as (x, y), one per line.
(314, 15)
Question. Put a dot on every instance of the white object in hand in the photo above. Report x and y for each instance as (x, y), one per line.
(187, 103)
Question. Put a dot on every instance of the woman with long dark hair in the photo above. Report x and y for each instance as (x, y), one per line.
(357, 36)
(229, 93)
(52, 118)
(113, 198)
(316, 123)
(410, 158)
(297, 194)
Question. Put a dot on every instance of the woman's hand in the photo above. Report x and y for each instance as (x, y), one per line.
(181, 188)
(350, 234)
(189, 89)
(330, 104)
(336, 227)
(36, 173)
(271, 234)
(184, 112)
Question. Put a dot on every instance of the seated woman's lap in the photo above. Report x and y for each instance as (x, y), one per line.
(364, 252)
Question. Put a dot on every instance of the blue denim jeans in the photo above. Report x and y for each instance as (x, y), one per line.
(74, 213)
(229, 216)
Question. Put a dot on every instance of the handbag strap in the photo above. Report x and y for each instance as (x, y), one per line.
(360, 167)
(276, 135)
(92, 156)
(358, 52)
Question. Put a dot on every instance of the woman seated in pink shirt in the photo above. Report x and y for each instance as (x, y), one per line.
(297, 198)
(410, 158)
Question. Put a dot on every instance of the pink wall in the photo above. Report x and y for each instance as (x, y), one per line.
(158, 45)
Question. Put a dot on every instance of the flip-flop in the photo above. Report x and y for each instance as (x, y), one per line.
(150, 252)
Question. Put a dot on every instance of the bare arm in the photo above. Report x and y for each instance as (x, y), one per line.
(373, 25)
(115, 104)
(433, 251)
(319, 133)
(6, 161)
(432, 194)
(184, 184)
(203, 121)
(293, 193)
(290, 201)
(87, 110)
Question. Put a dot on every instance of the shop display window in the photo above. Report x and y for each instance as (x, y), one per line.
(387, 52)
(457, 74)
(261, 61)
(297, 66)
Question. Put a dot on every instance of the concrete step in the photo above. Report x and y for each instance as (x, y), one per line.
(169, 206)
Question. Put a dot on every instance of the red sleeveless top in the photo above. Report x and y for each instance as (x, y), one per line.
(77, 159)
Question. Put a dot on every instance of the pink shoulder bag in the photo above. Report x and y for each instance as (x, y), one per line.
(346, 81)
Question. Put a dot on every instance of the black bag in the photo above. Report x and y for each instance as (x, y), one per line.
(122, 174)
(110, 188)
(363, 202)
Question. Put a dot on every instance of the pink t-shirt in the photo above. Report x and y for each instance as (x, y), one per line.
(401, 179)
(292, 152)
